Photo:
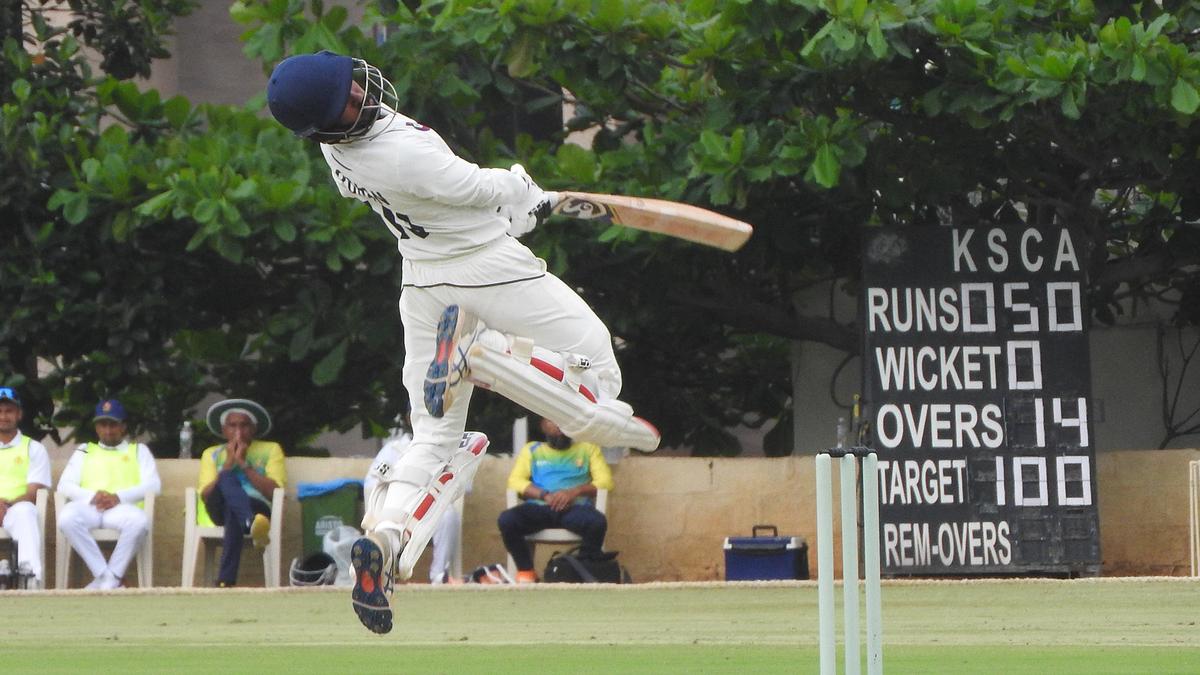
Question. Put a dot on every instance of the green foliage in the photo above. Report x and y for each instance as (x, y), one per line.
(180, 251)
(219, 240)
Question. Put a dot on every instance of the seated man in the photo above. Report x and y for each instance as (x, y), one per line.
(24, 469)
(558, 479)
(238, 477)
(447, 537)
(106, 483)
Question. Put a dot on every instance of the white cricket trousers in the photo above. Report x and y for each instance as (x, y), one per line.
(21, 523)
(447, 538)
(541, 308)
(78, 519)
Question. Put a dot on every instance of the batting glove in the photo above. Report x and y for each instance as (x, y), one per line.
(524, 216)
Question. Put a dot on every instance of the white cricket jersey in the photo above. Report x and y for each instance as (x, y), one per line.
(439, 206)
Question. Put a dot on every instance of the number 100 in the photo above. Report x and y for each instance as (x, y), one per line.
(1030, 486)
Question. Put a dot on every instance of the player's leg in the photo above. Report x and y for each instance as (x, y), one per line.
(442, 458)
(548, 384)
(552, 315)
(537, 343)
(76, 522)
(403, 510)
(445, 541)
(229, 506)
(21, 522)
(518, 522)
(132, 525)
(587, 522)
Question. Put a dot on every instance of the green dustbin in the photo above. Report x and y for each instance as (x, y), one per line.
(327, 506)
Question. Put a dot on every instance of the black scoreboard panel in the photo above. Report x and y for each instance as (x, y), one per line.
(978, 394)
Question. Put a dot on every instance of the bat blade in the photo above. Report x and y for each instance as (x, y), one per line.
(674, 219)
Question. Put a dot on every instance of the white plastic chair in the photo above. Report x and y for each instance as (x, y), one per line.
(64, 554)
(196, 536)
(40, 501)
(553, 535)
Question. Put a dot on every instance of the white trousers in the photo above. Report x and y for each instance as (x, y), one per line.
(21, 523)
(78, 519)
(446, 540)
(543, 309)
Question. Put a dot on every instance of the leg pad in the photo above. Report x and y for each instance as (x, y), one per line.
(556, 391)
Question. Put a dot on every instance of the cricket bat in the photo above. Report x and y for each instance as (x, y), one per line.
(682, 221)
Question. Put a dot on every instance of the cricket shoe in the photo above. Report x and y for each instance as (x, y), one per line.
(371, 560)
(456, 332)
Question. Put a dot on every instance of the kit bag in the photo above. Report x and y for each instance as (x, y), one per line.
(571, 568)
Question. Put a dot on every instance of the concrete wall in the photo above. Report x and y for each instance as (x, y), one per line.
(670, 516)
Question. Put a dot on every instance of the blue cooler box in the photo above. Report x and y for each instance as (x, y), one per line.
(761, 557)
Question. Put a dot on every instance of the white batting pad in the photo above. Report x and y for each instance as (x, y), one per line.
(558, 388)
(415, 513)
(438, 496)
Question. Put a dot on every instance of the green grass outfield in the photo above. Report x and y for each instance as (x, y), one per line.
(1013, 626)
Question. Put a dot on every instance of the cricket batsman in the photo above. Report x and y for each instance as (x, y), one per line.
(478, 308)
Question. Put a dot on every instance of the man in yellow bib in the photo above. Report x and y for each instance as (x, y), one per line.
(106, 482)
(24, 469)
(238, 477)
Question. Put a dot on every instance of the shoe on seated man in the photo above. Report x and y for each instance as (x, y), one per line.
(107, 581)
(260, 531)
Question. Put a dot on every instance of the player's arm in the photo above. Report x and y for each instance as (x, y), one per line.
(272, 475)
(38, 475)
(431, 172)
(560, 500)
(264, 485)
(601, 473)
(519, 479)
(207, 479)
(68, 482)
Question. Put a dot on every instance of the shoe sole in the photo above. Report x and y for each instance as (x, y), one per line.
(369, 598)
(438, 394)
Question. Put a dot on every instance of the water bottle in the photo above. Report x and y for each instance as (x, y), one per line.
(185, 440)
(843, 431)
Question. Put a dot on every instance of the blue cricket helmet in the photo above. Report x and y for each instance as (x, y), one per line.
(307, 93)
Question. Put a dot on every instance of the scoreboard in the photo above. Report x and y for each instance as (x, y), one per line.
(978, 395)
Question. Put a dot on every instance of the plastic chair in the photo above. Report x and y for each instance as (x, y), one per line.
(553, 535)
(64, 554)
(40, 501)
(196, 536)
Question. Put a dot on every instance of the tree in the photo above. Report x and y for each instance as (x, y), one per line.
(176, 252)
(67, 284)
(812, 119)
